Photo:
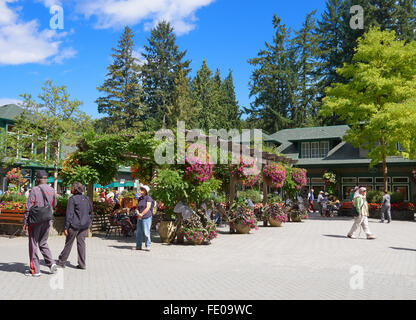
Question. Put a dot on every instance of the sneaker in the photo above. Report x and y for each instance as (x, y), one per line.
(136, 248)
(147, 249)
(382, 221)
(60, 264)
(29, 273)
(351, 236)
(54, 268)
(371, 237)
(81, 268)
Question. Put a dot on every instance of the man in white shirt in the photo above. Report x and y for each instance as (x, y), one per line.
(320, 199)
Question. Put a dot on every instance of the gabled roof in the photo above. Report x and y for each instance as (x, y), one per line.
(10, 111)
(314, 133)
(246, 138)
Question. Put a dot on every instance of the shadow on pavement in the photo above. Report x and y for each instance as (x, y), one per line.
(405, 249)
(335, 236)
(17, 267)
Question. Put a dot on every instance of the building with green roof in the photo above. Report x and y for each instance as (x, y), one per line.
(321, 148)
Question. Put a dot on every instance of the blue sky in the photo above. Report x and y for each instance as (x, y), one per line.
(225, 32)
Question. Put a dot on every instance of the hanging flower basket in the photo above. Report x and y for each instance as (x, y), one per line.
(274, 175)
(246, 172)
(198, 170)
(299, 176)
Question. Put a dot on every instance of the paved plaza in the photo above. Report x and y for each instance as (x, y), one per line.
(309, 260)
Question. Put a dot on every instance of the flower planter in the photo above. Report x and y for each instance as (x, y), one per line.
(296, 218)
(274, 222)
(242, 228)
(16, 211)
(197, 242)
(58, 226)
(167, 231)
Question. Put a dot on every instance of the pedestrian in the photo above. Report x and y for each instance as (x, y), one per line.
(117, 197)
(27, 193)
(144, 213)
(110, 196)
(77, 222)
(386, 207)
(361, 217)
(320, 198)
(102, 195)
(311, 198)
(38, 219)
(324, 203)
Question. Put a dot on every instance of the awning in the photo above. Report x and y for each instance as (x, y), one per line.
(117, 184)
(51, 180)
(97, 185)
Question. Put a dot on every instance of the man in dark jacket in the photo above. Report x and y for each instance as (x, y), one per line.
(39, 232)
(77, 222)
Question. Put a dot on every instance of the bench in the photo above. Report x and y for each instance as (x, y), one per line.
(12, 219)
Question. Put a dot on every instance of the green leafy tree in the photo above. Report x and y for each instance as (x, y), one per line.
(380, 79)
(229, 103)
(123, 94)
(46, 130)
(164, 63)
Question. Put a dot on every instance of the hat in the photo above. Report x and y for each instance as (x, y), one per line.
(142, 186)
(41, 174)
(363, 189)
(321, 192)
(326, 193)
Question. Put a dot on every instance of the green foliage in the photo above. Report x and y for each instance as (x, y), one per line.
(199, 193)
(169, 187)
(252, 194)
(12, 197)
(82, 174)
(122, 100)
(273, 198)
(289, 188)
(102, 208)
(375, 196)
(396, 197)
(128, 194)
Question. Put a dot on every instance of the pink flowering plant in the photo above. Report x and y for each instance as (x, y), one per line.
(275, 211)
(299, 177)
(241, 213)
(197, 169)
(198, 228)
(247, 171)
(276, 173)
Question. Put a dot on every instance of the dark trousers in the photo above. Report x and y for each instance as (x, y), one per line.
(38, 238)
(81, 248)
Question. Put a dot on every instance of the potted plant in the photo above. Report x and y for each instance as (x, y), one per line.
(168, 187)
(59, 215)
(274, 175)
(275, 214)
(242, 218)
(13, 202)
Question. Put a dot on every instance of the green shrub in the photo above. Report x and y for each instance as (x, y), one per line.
(252, 194)
(396, 197)
(374, 196)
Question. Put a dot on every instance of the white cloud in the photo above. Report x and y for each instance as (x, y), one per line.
(138, 55)
(49, 3)
(22, 42)
(117, 13)
(4, 101)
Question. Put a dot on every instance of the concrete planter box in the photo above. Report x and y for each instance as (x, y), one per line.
(400, 215)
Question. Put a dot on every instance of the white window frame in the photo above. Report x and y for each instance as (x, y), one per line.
(306, 155)
(380, 182)
(366, 182)
(349, 182)
(323, 151)
(315, 149)
(400, 182)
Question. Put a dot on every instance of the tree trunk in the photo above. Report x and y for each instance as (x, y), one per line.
(385, 173)
(55, 177)
(90, 191)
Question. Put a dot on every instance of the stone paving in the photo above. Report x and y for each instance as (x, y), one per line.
(309, 260)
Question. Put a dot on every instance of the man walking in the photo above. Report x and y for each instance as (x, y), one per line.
(41, 196)
(361, 220)
(386, 207)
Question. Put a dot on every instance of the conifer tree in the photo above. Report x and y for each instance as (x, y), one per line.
(122, 100)
(164, 62)
(230, 104)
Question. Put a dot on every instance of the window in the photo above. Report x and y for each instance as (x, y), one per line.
(381, 188)
(314, 149)
(347, 192)
(349, 180)
(306, 150)
(324, 149)
(317, 180)
(365, 180)
(402, 189)
(381, 180)
(400, 180)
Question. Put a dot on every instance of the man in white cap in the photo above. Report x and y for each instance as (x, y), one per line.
(361, 206)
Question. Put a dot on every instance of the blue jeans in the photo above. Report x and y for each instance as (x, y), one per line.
(143, 232)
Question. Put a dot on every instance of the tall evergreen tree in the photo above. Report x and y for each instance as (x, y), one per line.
(269, 82)
(122, 101)
(406, 20)
(183, 106)
(306, 46)
(230, 103)
(164, 62)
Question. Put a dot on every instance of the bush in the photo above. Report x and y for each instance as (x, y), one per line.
(375, 196)
(396, 197)
(252, 194)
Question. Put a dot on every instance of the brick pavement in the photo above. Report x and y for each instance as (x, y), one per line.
(309, 260)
